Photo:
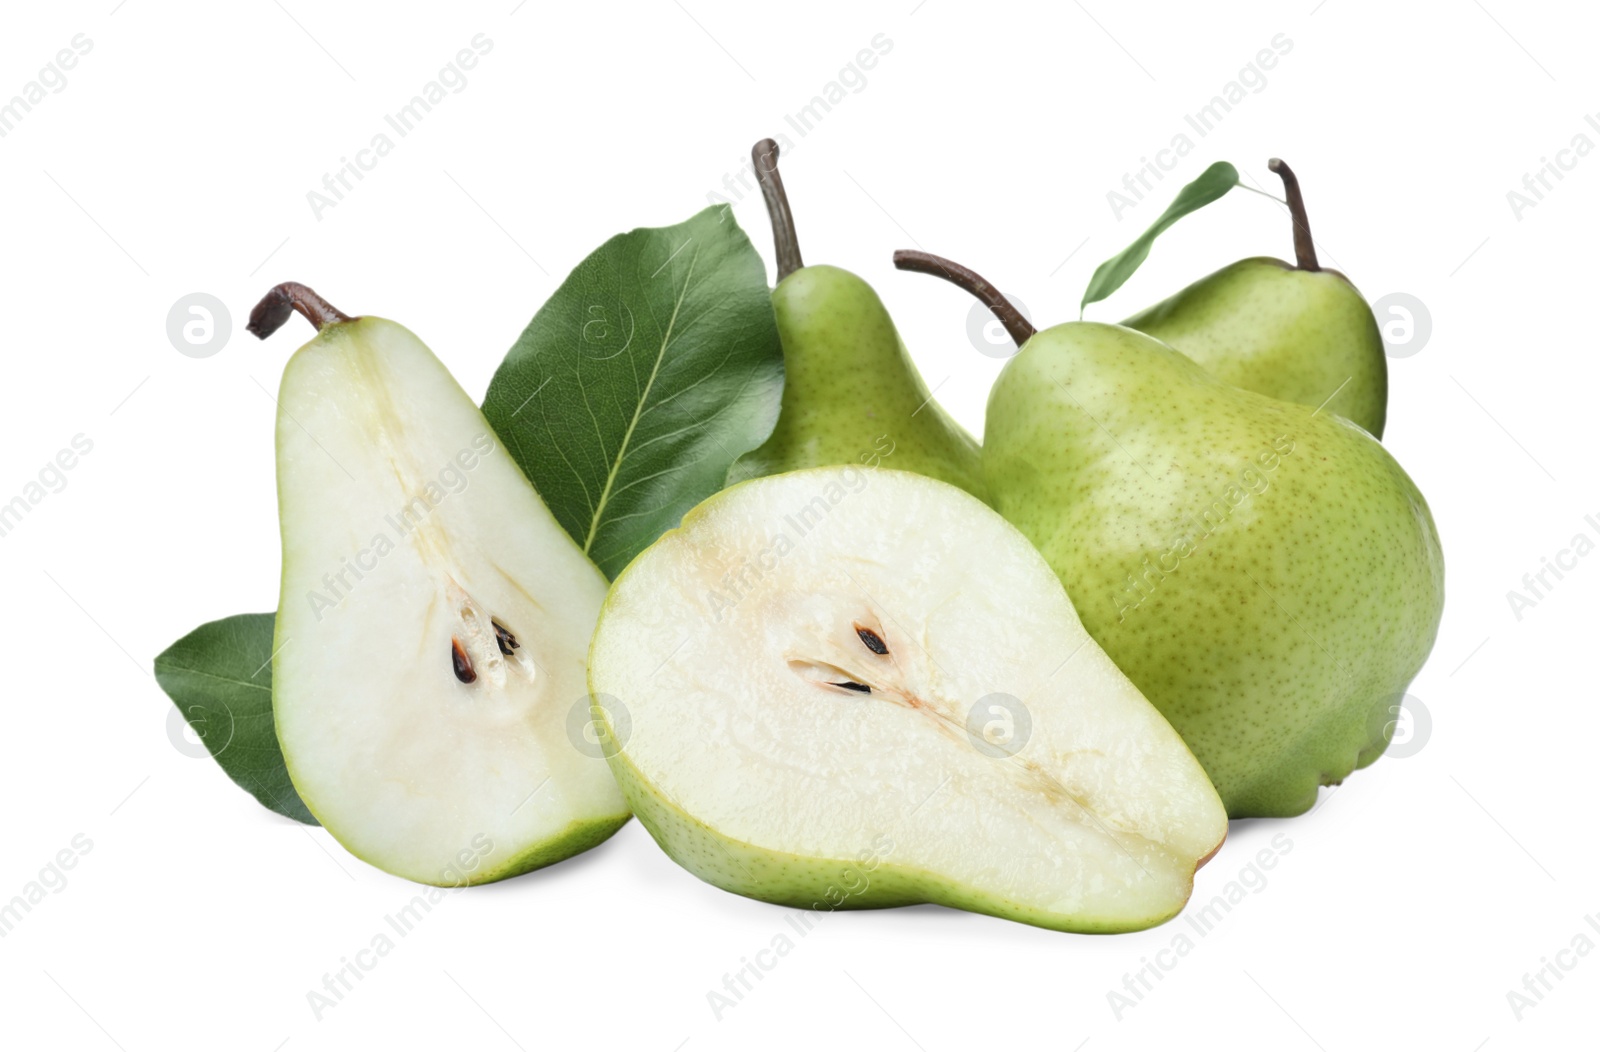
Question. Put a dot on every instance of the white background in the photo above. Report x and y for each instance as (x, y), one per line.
(178, 158)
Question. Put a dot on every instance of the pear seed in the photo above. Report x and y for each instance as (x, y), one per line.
(872, 640)
(503, 636)
(462, 663)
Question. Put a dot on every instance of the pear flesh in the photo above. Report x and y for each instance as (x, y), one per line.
(851, 393)
(432, 627)
(847, 688)
(1297, 335)
(1265, 572)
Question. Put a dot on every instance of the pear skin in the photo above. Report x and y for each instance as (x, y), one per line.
(1265, 572)
(851, 394)
(1297, 335)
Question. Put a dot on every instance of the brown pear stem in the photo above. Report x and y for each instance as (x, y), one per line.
(276, 306)
(1305, 253)
(927, 263)
(764, 155)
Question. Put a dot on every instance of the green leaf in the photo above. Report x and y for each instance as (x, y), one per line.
(1109, 276)
(654, 366)
(220, 677)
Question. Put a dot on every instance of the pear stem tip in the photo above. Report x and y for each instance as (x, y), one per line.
(283, 300)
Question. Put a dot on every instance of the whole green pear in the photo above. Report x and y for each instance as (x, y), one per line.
(1264, 572)
(1293, 331)
(851, 393)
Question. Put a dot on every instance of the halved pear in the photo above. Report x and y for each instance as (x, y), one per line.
(849, 688)
(433, 623)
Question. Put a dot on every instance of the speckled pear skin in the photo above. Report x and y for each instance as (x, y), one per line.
(866, 882)
(851, 394)
(1266, 574)
(1296, 335)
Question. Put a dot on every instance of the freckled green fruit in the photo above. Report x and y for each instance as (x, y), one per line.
(851, 394)
(1292, 334)
(842, 689)
(1265, 573)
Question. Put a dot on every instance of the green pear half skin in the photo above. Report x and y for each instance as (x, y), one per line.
(851, 393)
(1291, 331)
(847, 688)
(1264, 572)
(434, 618)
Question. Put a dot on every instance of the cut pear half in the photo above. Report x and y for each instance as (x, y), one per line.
(433, 623)
(848, 688)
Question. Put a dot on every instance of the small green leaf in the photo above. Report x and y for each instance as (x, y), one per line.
(220, 678)
(654, 366)
(1109, 276)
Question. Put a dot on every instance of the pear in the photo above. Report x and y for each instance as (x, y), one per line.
(844, 688)
(851, 393)
(1263, 571)
(433, 622)
(1294, 332)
